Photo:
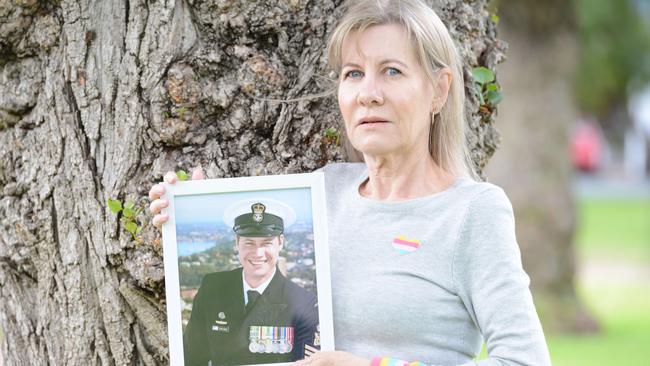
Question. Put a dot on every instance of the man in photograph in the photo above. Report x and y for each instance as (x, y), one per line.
(252, 314)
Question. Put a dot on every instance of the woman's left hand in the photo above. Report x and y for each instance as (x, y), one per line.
(333, 358)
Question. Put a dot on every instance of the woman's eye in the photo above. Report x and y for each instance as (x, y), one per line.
(353, 74)
(391, 71)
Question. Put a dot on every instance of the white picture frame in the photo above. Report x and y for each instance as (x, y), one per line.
(185, 200)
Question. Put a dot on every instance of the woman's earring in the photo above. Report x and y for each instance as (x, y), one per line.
(434, 111)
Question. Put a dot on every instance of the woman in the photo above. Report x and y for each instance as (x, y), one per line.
(424, 259)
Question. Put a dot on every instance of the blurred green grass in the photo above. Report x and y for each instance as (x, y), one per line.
(615, 231)
(625, 320)
(624, 315)
(614, 228)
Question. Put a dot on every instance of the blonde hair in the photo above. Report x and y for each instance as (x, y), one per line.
(435, 50)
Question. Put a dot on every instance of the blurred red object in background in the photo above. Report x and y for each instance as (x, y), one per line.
(586, 147)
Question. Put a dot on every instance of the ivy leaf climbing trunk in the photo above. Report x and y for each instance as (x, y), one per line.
(99, 98)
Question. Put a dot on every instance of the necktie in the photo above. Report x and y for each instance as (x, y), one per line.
(252, 297)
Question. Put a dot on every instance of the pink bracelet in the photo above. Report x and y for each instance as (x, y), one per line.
(387, 361)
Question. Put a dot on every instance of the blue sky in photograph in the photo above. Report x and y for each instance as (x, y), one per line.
(203, 208)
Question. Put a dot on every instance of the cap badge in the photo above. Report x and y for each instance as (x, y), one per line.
(258, 212)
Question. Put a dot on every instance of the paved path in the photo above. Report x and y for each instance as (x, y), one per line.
(594, 187)
(605, 271)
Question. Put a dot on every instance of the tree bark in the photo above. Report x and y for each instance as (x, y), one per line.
(99, 99)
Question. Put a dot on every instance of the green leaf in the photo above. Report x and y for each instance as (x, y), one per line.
(492, 86)
(131, 227)
(331, 132)
(494, 97)
(138, 230)
(128, 212)
(182, 175)
(114, 205)
(495, 18)
(129, 205)
(482, 75)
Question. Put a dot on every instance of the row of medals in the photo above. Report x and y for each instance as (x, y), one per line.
(268, 344)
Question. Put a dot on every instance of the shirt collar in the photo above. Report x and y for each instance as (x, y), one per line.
(259, 288)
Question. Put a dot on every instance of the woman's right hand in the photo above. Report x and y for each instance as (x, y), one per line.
(158, 190)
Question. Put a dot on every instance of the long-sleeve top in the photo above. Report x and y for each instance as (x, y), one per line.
(429, 278)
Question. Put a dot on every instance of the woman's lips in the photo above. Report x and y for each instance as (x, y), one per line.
(371, 120)
(373, 124)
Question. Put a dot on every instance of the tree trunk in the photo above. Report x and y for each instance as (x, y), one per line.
(534, 167)
(99, 99)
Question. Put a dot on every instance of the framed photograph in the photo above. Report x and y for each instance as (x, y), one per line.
(247, 270)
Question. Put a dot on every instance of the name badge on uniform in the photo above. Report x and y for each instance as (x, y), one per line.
(221, 325)
(221, 328)
(270, 339)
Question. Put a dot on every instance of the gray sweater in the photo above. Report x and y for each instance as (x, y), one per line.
(429, 278)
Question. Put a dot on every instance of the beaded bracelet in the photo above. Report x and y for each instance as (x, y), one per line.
(387, 361)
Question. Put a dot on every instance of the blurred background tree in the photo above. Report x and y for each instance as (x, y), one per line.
(568, 60)
(534, 119)
(614, 59)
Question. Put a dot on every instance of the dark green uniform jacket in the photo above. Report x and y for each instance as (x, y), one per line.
(219, 327)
